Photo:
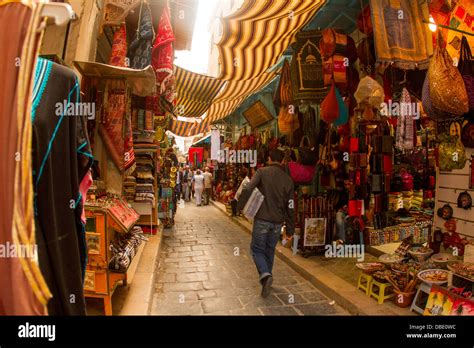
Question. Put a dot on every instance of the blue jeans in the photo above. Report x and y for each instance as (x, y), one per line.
(265, 236)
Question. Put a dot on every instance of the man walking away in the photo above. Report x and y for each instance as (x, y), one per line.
(207, 185)
(277, 208)
(184, 184)
(198, 186)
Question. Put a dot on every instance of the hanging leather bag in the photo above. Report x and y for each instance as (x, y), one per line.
(447, 90)
(466, 68)
(308, 155)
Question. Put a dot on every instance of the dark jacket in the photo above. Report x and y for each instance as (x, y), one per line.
(277, 188)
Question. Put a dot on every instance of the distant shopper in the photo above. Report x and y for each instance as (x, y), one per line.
(198, 186)
(207, 185)
(185, 184)
(277, 208)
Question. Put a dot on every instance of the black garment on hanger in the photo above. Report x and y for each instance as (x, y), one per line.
(61, 159)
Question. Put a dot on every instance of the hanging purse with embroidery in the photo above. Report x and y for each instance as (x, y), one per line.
(452, 154)
(466, 68)
(447, 89)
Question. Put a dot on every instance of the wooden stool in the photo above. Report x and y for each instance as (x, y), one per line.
(378, 292)
(364, 282)
(416, 305)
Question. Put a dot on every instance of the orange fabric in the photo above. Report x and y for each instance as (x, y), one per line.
(16, 294)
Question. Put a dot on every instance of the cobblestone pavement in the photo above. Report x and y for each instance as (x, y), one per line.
(206, 268)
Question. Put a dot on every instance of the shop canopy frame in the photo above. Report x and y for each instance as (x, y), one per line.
(142, 82)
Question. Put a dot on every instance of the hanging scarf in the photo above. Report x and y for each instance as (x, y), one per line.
(163, 52)
(405, 125)
(140, 49)
(119, 48)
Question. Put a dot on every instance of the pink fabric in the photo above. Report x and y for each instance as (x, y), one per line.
(83, 188)
(301, 173)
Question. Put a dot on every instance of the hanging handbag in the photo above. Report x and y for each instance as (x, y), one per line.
(308, 155)
(452, 154)
(466, 68)
(300, 173)
(447, 90)
(287, 122)
(330, 106)
(467, 134)
(377, 183)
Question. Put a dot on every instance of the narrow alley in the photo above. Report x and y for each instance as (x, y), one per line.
(206, 268)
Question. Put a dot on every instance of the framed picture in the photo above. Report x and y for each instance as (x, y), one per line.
(315, 232)
(89, 280)
(93, 243)
(440, 302)
(257, 114)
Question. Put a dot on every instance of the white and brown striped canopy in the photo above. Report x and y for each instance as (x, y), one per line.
(254, 38)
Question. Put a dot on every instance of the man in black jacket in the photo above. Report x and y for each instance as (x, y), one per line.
(277, 208)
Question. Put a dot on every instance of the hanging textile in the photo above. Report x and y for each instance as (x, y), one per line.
(405, 134)
(61, 160)
(118, 56)
(23, 290)
(116, 126)
(163, 53)
(141, 46)
(401, 37)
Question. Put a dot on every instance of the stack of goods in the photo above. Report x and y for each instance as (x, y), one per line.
(124, 248)
(392, 234)
(417, 199)
(145, 188)
(96, 190)
(129, 185)
(407, 199)
(395, 201)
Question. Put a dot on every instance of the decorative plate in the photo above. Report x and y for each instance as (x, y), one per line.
(369, 267)
(390, 258)
(434, 276)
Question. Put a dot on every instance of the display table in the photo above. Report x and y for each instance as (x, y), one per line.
(105, 219)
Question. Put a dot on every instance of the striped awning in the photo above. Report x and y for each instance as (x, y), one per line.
(188, 129)
(234, 94)
(257, 34)
(195, 92)
(253, 40)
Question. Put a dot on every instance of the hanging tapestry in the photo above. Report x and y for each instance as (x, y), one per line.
(116, 126)
(118, 56)
(307, 67)
(140, 48)
(401, 37)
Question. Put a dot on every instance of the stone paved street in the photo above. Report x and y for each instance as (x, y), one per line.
(206, 268)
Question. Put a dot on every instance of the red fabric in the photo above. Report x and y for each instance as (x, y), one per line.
(330, 106)
(301, 173)
(354, 145)
(163, 53)
(364, 21)
(199, 151)
(387, 164)
(119, 48)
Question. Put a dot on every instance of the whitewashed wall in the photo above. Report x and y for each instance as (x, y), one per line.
(448, 187)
